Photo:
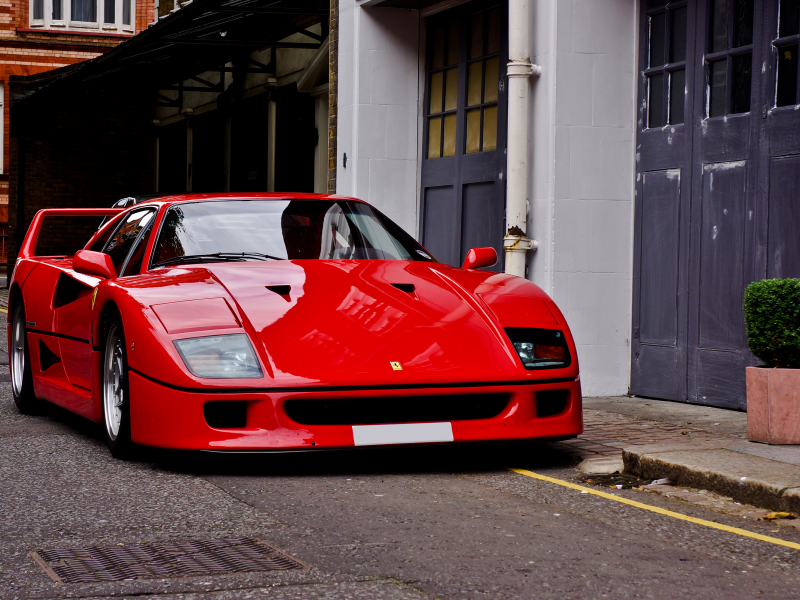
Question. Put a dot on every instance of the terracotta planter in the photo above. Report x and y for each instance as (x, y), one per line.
(773, 405)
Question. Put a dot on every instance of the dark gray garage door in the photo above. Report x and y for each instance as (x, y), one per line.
(718, 188)
(463, 167)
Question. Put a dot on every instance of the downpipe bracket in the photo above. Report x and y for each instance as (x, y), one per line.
(523, 68)
(519, 243)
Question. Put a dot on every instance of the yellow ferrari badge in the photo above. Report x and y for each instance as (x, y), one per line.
(94, 297)
(396, 366)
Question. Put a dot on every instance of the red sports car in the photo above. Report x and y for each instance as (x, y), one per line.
(283, 321)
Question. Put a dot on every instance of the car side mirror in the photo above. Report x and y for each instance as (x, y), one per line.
(94, 263)
(480, 257)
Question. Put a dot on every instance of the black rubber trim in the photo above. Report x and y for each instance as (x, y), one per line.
(58, 335)
(352, 388)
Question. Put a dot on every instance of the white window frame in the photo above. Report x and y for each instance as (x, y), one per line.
(66, 23)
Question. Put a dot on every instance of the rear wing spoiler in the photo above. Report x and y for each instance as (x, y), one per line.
(28, 247)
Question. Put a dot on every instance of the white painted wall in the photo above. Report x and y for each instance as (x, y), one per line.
(583, 120)
(378, 99)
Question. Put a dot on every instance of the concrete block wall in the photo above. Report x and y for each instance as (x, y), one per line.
(378, 104)
(582, 159)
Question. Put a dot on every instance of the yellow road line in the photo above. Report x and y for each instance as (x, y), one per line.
(660, 511)
(4, 310)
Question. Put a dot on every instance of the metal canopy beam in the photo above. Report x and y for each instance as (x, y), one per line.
(256, 10)
(202, 36)
(241, 43)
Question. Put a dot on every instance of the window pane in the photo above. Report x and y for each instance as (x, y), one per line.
(656, 3)
(108, 11)
(437, 61)
(473, 130)
(742, 77)
(449, 135)
(38, 9)
(123, 238)
(476, 36)
(435, 137)
(451, 91)
(655, 109)
(84, 10)
(786, 94)
(490, 128)
(658, 32)
(474, 84)
(126, 12)
(719, 26)
(789, 17)
(491, 80)
(718, 88)
(677, 90)
(742, 23)
(677, 36)
(436, 93)
(58, 11)
(494, 27)
(452, 43)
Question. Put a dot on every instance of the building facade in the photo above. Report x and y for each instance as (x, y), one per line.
(637, 159)
(40, 35)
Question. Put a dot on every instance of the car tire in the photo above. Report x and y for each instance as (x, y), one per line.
(116, 396)
(20, 364)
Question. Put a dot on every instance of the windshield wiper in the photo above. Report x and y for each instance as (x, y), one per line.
(215, 257)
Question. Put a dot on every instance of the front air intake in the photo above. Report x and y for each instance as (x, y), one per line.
(402, 409)
(226, 414)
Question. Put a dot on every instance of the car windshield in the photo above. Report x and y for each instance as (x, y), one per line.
(280, 229)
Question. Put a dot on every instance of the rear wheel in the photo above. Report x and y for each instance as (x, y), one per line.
(116, 399)
(20, 363)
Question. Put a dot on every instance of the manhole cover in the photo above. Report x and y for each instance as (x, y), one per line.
(170, 559)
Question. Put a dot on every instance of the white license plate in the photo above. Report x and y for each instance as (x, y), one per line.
(411, 433)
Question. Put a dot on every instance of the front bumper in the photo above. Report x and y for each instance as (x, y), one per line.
(165, 417)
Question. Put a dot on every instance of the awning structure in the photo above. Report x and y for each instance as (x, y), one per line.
(204, 36)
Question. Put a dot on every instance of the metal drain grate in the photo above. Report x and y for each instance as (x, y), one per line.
(170, 559)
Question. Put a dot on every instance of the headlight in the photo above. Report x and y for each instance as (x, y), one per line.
(220, 357)
(540, 348)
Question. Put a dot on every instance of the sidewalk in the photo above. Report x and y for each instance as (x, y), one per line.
(693, 446)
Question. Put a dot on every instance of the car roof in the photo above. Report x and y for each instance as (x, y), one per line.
(180, 198)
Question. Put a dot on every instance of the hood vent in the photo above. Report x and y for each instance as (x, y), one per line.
(404, 287)
(281, 290)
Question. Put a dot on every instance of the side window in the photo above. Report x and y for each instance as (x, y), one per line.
(666, 62)
(786, 46)
(120, 244)
(134, 265)
(729, 57)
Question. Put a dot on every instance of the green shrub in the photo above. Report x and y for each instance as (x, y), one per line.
(772, 314)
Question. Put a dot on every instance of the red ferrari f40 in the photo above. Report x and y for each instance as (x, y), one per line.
(260, 322)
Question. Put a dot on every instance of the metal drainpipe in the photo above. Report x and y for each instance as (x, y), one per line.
(516, 242)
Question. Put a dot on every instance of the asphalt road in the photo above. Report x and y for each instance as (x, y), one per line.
(421, 523)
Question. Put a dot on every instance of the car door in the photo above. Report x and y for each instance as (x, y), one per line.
(74, 298)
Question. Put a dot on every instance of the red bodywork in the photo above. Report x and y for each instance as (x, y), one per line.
(334, 335)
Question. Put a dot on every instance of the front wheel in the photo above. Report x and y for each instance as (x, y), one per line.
(116, 399)
(20, 363)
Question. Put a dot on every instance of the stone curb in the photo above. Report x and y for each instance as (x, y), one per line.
(741, 479)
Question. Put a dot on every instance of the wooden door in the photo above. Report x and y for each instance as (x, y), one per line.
(663, 200)
(463, 166)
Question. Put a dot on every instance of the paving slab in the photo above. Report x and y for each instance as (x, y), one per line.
(786, 454)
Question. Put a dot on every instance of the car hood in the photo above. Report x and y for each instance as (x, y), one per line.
(360, 323)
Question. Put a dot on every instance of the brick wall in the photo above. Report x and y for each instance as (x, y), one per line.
(77, 149)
